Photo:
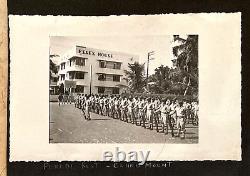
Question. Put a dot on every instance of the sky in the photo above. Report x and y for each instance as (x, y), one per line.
(138, 45)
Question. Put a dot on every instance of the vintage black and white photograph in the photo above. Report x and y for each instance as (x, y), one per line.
(85, 88)
(131, 89)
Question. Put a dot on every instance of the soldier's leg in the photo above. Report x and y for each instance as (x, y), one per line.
(129, 115)
(156, 117)
(84, 112)
(89, 115)
(182, 127)
(170, 125)
(161, 121)
(149, 119)
(133, 118)
(165, 124)
(178, 124)
(144, 116)
(125, 115)
(104, 110)
(136, 117)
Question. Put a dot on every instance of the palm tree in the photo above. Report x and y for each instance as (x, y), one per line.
(187, 63)
(135, 77)
(161, 79)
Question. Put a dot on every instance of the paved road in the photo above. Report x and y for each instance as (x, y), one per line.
(67, 125)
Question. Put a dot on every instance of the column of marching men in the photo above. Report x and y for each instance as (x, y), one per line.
(162, 114)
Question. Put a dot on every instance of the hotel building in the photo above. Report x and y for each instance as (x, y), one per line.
(89, 70)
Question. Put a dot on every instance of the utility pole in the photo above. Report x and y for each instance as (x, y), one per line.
(90, 82)
(149, 54)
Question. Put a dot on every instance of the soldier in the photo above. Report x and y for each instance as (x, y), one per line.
(76, 100)
(105, 110)
(141, 112)
(112, 107)
(179, 110)
(79, 104)
(83, 105)
(106, 103)
(156, 114)
(60, 99)
(136, 109)
(97, 104)
(124, 109)
(65, 97)
(166, 118)
(116, 108)
(188, 107)
(101, 105)
(161, 110)
(131, 108)
(87, 108)
(119, 107)
(149, 112)
(172, 113)
(195, 113)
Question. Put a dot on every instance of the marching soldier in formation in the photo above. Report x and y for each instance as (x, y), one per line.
(148, 113)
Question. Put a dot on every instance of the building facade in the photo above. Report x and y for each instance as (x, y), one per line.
(89, 70)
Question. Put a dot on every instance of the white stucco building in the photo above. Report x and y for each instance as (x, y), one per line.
(89, 70)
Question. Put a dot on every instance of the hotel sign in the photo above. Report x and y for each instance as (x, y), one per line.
(85, 51)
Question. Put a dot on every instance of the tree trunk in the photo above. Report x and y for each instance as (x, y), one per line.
(189, 82)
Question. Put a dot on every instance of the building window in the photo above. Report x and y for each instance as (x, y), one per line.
(79, 75)
(117, 65)
(80, 61)
(71, 75)
(102, 77)
(79, 89)
(62, 66)
(115, 90)
(102, 64)
(62, 77)
(116, 78)
(101, 90)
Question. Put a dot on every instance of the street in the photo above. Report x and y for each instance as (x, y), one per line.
(67, 125)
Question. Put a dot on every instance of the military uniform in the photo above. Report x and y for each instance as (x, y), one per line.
(180, 121)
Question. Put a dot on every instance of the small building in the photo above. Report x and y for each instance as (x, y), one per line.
(89, 70)
(53, 87)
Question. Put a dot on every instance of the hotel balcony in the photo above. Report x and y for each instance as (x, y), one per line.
(77, 68)
(111, 71)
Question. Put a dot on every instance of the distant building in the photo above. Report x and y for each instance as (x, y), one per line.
(89, 70)
(53, 88)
